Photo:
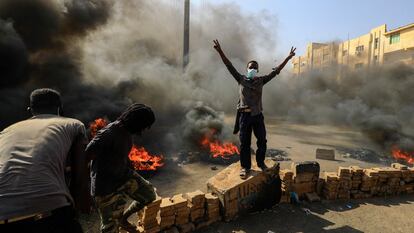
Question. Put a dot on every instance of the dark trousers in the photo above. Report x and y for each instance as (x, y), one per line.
(249, 123)
(62, 220)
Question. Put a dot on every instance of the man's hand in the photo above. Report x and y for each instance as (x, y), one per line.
(217, 45)
(292, 52)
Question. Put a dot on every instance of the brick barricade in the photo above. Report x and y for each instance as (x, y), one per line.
(228, 194)
(355, 183)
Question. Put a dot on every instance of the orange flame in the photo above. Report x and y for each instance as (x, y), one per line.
(218, 149)
(140, 158)
(144, 161)
(96, 125)
(399, 154)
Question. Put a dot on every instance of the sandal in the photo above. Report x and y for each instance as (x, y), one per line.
(243, 173)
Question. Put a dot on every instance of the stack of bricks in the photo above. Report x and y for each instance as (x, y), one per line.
(182, 212)
(389, 180)
(188, 212)
(237, 195)
(356, 181)
(212, 208)
(148, 218)
(304, 181)
(196, 201)
(407, 178)
(345, 179)
(167, 214)
(331, 185)
(212, 213)
(369, 182)
(286, 176)
(230, 195)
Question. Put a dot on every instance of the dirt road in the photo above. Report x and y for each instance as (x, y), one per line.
(392, 214)
(380, 215)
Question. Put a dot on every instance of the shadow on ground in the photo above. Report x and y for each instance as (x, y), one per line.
(307, 217)
(283, 218)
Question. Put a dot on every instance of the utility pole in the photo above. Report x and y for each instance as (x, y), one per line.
(186, 46)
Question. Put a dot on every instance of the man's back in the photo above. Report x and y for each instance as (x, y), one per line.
(111, 167)
(33, 155)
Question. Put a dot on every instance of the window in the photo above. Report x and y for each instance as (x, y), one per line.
(375, 58)
(359, 65)
(303, 64)
(344, 52)
(325, 56)
(376, 43)
(295, 65)
(359, 50)
(395, 38)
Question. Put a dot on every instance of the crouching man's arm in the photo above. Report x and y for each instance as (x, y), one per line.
(227, 62)
(80, 183)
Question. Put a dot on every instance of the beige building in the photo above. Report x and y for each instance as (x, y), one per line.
(377, 47)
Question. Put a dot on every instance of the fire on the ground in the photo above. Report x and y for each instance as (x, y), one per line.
(141, 159)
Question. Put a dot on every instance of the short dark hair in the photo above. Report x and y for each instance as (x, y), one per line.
(137, 117)
(45, 100)
(252, 61)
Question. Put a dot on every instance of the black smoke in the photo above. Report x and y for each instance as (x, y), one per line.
(40, 47)
(104, 55)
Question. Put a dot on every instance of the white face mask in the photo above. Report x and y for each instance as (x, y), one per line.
(251, 73)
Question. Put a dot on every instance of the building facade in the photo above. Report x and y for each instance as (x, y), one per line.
(377, 47)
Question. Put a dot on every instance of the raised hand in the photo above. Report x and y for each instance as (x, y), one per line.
(292, 52)
(216, 45)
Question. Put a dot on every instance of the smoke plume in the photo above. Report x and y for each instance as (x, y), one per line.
(41, 47)
(104, 55)
(377, 101)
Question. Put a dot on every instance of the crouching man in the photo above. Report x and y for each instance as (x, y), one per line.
(34, 196)
(112, 178)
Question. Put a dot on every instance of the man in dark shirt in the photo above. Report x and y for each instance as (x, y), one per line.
(249, 109)
(112, 176)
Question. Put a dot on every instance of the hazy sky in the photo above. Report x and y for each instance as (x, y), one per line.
(301, 21)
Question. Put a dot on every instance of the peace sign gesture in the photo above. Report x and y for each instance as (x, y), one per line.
(292, 52)
(216, 45)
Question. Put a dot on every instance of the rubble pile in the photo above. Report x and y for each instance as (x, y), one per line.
(363, 154)
(277, 155)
